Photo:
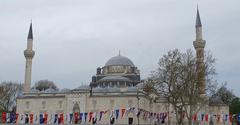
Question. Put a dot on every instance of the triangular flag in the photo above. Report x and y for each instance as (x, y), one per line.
(139, 112)
(12, 117)
(122, 112)
(226, 117)
(85, 116)
(117, 113)
(238, 117)
(100, 115)
(90, 116)
(41, 119)
(31, 118)
(71, 117)
(195, 117)
(66, 118)
(206, 117)
(80, 116)
(55, 119)
(8, 117)
(4, 117)
(202, 117)
(76, 117)
(61, 118)
(36, 119)
(26, 118)
(230, 117)
(51, 119)
(45, 118)
(111, 114)
(16, 118)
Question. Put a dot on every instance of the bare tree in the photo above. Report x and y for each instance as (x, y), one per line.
(177, 80)
(9, 91)
(42, 85)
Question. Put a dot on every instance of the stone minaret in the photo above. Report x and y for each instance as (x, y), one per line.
(199, 45)
(29, 54)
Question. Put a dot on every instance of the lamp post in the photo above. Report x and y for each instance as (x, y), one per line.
(138, 104)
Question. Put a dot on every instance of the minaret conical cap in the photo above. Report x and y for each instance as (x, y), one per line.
(198, 20)
(30, 33)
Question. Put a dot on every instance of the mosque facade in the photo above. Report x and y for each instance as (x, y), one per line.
(112, 97)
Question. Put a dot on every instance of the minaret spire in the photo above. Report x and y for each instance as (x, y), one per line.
(199, 45)
(198, 19)
(29, 54)
(30, 33)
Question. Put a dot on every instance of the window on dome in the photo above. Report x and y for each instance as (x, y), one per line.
(111, 84)
(114, 84)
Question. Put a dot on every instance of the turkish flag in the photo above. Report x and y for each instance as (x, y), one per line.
(16, 118)
(31, 118)
(195, 117)
(206, 117)
(90, 116)
(76, 117)
(230, 117)
(45, 118)
(61, 118)
(123, 111)
(3, 117)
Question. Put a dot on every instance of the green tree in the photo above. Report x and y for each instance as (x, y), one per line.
(235, 106)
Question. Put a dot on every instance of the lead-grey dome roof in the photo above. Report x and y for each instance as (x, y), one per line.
(119, 60)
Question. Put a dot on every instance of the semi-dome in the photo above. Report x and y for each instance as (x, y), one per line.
(119, 61)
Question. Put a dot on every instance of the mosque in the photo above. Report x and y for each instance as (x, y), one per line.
(112, 97)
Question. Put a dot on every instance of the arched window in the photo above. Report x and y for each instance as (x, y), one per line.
(43, 104)
(27, 104)
(60, 104)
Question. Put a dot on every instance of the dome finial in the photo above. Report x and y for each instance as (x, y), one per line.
(119, 53)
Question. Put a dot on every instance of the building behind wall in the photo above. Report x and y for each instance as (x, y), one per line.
(114, 88)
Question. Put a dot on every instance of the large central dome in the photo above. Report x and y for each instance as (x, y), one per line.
(119, 61)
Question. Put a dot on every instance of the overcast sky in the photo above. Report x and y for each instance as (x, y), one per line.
(73, 38)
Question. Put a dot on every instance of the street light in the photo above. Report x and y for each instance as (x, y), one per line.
(138, 104)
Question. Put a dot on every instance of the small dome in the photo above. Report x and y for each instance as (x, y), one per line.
(65, 90)
(119, 61)
(34, 90)
(82, 87)
(50, 90)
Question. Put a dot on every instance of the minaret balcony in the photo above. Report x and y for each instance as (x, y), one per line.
(29, 53)
(199, 44)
